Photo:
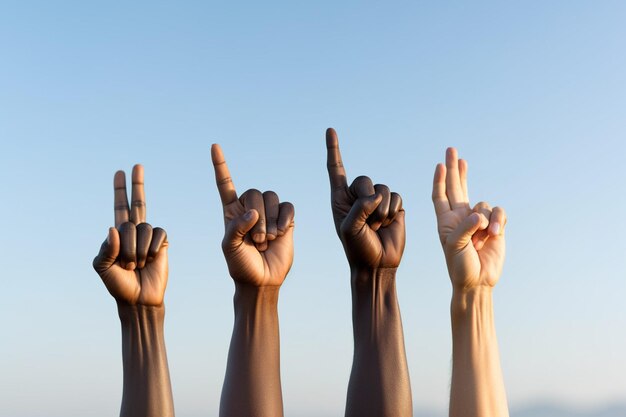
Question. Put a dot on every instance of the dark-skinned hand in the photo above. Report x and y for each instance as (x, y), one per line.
(133, 259)
(258, 237)
(369, 219)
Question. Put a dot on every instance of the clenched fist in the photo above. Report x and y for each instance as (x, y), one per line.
(369, 219)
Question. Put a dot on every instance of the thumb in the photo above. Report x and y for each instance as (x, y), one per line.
(358, 214)
(109, 251)
(237, 228)
(462, 235)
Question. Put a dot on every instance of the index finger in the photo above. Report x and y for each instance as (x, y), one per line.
(138, 197)
(120, 199)
(225, 185)
(336, 171)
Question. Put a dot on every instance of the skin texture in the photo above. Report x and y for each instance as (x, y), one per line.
(473, 243)
(258, 247)
(133, 266)
(369, 220)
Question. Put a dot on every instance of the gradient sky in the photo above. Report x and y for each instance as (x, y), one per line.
(532, 94)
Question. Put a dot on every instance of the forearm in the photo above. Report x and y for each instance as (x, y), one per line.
(379, 383)
(252, 383)
(477, 388)
(147, 389)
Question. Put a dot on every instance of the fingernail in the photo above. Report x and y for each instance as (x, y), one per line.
(248, 215)
(258, 237)
(495, 229)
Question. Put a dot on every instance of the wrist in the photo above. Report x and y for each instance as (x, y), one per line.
(371, 278)
(375, 310)
(145, 318)
(255, 305)
(471, 303)
(252, 294)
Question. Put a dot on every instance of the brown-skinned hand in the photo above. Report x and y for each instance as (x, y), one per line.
(472, 238)
(133, 259)
(369, 219)
(258, 237)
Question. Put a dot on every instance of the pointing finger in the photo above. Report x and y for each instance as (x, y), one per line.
(138, 197)
(120, 199)
(336, 170)
(225, 185)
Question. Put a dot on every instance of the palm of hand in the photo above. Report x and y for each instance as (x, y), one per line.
(472, 239)
(145, 286)
(249, 265)
(470, 267)
(133, 260)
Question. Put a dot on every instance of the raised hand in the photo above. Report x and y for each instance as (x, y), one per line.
(133, 259)
(369, 219)
(472, 238)
(258, 238)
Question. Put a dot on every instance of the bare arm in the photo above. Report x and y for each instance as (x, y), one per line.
(133, 266)
(258, 247)
(473, 244)
(369, 220)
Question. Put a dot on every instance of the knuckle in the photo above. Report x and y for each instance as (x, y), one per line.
(286, 205)
(144, 227)
(224, 180)
(362, 179)
(334, 164)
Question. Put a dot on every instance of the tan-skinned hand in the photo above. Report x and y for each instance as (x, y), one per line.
(369, 219)
(472, 238)
(258, 237)
(133, 259)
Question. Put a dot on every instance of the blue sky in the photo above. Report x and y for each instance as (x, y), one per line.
(532, 94)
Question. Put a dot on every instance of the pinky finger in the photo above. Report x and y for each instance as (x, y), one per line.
(285, 217)
(159, 237)
(497, 221)
(395, 205)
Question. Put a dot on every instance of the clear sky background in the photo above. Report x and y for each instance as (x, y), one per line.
(533, 95)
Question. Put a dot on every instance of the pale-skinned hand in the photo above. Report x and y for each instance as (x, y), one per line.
(258, 237)
(369, 219)
(472, 237)
(133, 259)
